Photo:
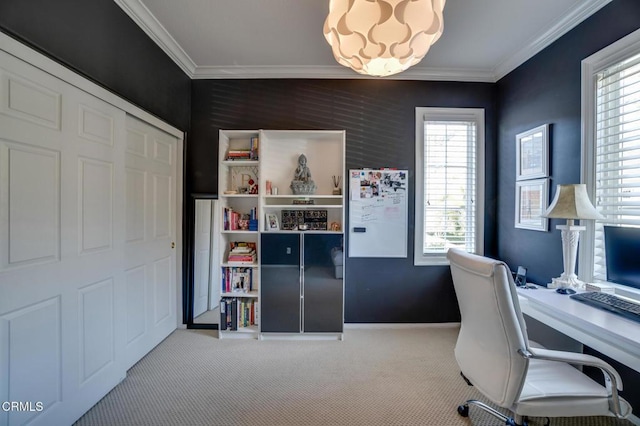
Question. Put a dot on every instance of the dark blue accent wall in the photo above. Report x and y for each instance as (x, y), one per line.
(379, 119)
(98, 40)
(547, 89)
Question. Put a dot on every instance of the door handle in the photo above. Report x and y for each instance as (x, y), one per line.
(173, 245)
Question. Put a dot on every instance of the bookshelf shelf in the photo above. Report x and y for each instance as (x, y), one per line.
(238, 231)
(253, 294)
(240, 163)
(302, 206)
(239, 196)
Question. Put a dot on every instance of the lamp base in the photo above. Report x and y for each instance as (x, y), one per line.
(569, 282)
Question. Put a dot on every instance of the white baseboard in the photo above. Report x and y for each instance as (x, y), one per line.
(390, 326)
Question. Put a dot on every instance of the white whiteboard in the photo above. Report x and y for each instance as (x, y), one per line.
(378, 213)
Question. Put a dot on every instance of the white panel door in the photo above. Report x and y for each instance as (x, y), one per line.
(150, 256)
(202, 257)
(88, 213)
(61, 246)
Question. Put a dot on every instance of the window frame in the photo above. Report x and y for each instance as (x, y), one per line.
(476, 115)
(614, 53)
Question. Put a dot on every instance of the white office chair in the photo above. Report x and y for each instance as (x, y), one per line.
(495, 355)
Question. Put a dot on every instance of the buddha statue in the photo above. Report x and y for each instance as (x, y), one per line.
(302, 184)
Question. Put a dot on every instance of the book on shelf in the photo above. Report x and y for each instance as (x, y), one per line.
(238, 312)
(237, 279)
(234, 221)
(223, 315)
(255, 148)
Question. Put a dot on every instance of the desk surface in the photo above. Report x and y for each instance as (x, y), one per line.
(610, 334)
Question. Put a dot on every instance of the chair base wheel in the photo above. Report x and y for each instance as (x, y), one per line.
(463, 410)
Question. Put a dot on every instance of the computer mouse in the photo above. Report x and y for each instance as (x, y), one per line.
(565, 290)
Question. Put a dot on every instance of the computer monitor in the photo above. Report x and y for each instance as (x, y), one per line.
(622, 250)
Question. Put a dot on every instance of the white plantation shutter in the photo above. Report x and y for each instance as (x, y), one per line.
(450, 158)
(449, 185)
(617, 152)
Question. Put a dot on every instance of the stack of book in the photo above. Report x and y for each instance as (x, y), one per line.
(239, 154)
(242, 253)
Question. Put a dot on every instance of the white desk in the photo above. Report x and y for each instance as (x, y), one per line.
(610, 334)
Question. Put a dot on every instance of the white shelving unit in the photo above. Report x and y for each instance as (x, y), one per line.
(275, 161)
(236, 178)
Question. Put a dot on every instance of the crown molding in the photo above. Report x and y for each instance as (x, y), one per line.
(154, 29)
(537, 44)
(339, 72)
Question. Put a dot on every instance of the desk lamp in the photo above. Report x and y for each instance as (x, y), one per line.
(570, 202)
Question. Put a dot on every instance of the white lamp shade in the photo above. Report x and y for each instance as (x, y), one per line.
(572, 202)
(382, 37)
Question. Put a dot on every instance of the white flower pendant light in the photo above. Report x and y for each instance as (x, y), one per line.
(382, 37)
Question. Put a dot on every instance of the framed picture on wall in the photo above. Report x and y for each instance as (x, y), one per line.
(532, 199)
(532, 153)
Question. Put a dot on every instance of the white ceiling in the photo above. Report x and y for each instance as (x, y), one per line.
(483, 40)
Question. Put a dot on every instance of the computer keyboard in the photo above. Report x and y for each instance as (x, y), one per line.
(611, 303)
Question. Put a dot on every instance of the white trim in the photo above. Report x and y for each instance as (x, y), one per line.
(26, 54)
(473, 114)
(157, 32)
(403, 326)
(537, 44)
(615, 52)
(339, 72)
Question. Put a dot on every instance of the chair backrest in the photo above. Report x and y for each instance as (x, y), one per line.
(492, 327)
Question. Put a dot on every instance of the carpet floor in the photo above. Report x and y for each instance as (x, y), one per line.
(391, 376)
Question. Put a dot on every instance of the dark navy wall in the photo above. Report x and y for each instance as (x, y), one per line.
(546, 89)
(98, 40)
(378, 116)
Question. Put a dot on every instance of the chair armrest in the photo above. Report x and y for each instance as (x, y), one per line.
(613, 381)
(580, 359)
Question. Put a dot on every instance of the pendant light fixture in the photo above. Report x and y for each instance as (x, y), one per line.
(382, 37)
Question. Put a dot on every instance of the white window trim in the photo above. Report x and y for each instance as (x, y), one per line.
(469, 114)
(591, 66)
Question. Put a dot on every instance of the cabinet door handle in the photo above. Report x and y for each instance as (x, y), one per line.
(173, 245)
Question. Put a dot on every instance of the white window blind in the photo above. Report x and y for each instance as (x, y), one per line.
(449, 185)
(617, 152)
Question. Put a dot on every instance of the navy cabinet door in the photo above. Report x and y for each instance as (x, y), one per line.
(323, 292)
(280, 310)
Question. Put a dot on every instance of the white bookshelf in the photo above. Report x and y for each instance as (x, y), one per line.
(277, 158)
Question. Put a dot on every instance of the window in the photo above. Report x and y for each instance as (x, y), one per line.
(449, 182)
(611, 145)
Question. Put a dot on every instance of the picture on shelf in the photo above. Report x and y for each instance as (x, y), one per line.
(272, 222)
(244, 180)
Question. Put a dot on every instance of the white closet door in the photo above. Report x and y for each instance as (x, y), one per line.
(87, 268)
(150, 256)
(61, 220)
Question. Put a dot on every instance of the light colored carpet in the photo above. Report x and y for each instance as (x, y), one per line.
(405, 376)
